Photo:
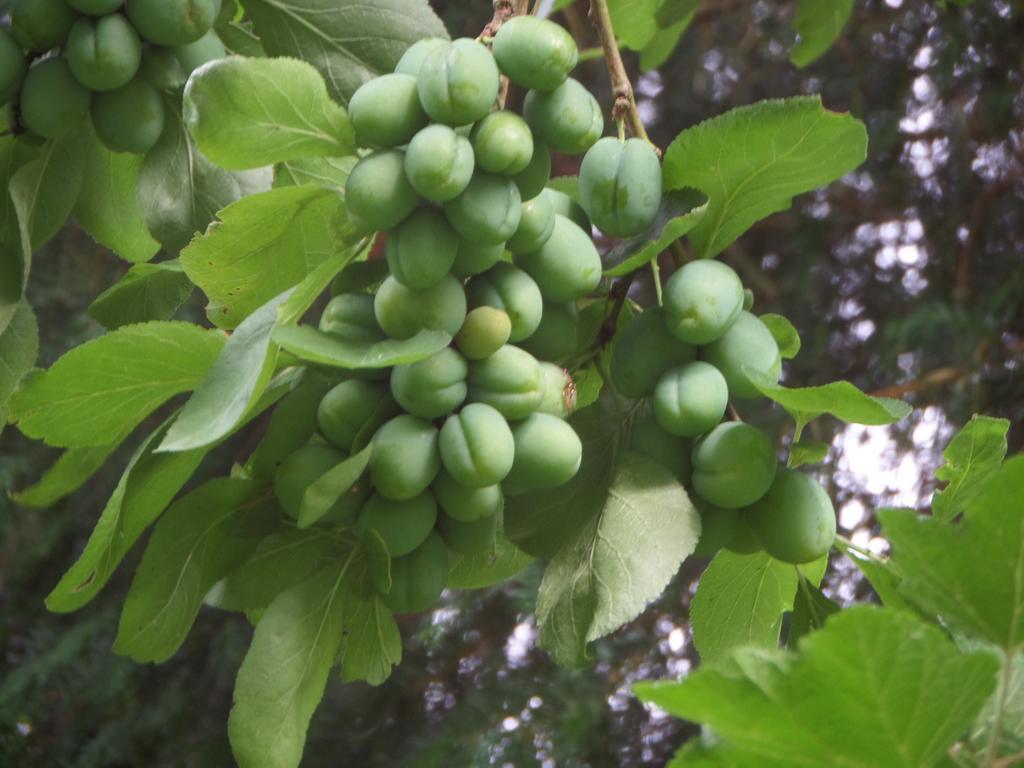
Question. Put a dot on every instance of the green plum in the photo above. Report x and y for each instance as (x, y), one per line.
(432, 387)
(173, 22)
(559, 391)
(53, 102)
(648, 438)
(690, 399)
(484, 332)
(535, 53)
(472, 537)
(350, 316)
(13, 66)
(510, 380)
(401, 524)
(350, 408)
(378, 193)
(458, 82)
(733, 465)
(747, 344)
(162, 68)
(620, 186)
(488, 211)
(536, 225)
(508, 288)
(718, 528)
(795, 521)
(532, 179)
(702, 301)
(302, 468)
(104, 53)
(476, 446)
(386, 111)
(466, 504)
(414, 55)
(567, 119)
(418, 578)
(744, 540)
(421, 250)
(39, 25)
(95, 7)
(562, 204)
(130, 118)
(502, 143)
(473, 258)
(643, 351)
(403, 313)
(548, 454)
(404, 459)
(192, 56)
(439, 163)
(567, 267)
(557, 336)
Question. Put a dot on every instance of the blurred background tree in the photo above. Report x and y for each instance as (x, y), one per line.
(907, 277)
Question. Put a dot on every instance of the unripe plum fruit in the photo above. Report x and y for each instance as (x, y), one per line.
(350, 316)
(733, 465)
(53, 102)
(104, 53)
(643, 351)
(401, 524)
(548, 454)
(432, 387)
(473, 537)
(795, 521)
(510, 380)
(557, 336)
(173, 22)
(403, 313)
(476, 446)
(559, 391)
(191, 56)
(567, 267)
(564, 205)
(567, 119)
(414, 55)
(161, 68)
(439, 163)
(95, 7)
(717, 528)
(458, 82)
(535, 53)
(418, 578)
(536, 224)
(39, 25)
(13, 66)
(404, 459)
(421, 250)
(502, 143)
(473, 258)
(130, 118)
(744, 539)
(487, 211)
(386, 111)
(647, 437)
(378, 193)
(620, 186)
(702, 301)
(508, 288)
(748, 342)
(301, 469)
(532, 179)
(463, 503)
(348, 408)
(485, 331)
(690, 399)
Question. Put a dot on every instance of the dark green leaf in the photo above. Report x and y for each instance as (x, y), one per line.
(818, 23)
(634, 21)
(662, 45)
(65, 476)
(489, 568)
(45, 189)
(785, 335)
(371, 643)
(972, 457)
(804, 452)
(292, 424)
(315, 346)
(146, 292)
(671, 12)
(680, 212)
(19, 348)
(810, 609)
(322, 494)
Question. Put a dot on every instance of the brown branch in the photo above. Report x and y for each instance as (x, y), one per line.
(935, 378)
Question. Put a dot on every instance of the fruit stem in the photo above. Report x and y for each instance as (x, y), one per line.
(625, 102)
(848, 546)
(656, 277)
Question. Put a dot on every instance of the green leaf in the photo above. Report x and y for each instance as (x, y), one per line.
(880, 575)
(371, 643)
(281, 561)
(324, 171)
(622, 559)
(969, 574)
(291, 425)
(249, 113)
(201, 538)
(840, 399)
(634, 21)
(19, 348)
(804, 452)
(784, 333)
(348, 41)
(14, 153)
(65, 476)
(285, 671)
(98, 392)
(663, 44)
(740, 601)
(810, 609)
(263, 245)
(180, 191)
(108, 208)
(146, 292)
(901, 690)
(671, 12)
(45, 189)
(322, 494)
(487, 569)
(753, 160)
(680, 212)
(589, 383)
(238, 38)
(315, 346)
(972, 457)
(1011, 724)
(818, 24)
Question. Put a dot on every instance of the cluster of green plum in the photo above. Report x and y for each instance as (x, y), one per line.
(61, 59)
(691, 356)
(479, 248)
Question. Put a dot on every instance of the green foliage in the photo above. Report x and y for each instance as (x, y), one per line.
(64, 477)
(19, 347)
(680, 211)
(146, 292)
(818, 23)
(972, 457)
